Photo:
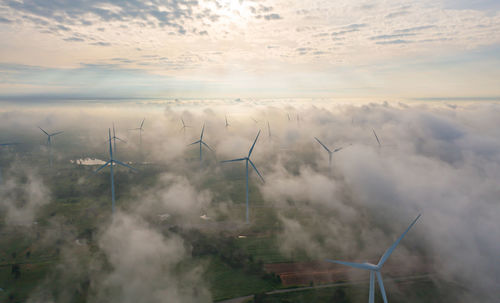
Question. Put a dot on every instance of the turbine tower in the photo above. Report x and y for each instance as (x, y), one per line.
(375, 269)
(201, 142)
(49, 142)
(330, 153)
(111, 162)
(247, 160)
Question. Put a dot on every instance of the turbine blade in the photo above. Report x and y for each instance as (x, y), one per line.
(194, 143)
(142, 123)
(202, 131)
(110, 148)
(324, 146)
(234, 160)
(381, 285)
(251, 149)
(371, 294)
(183, 124)
(355, 265)
(386, 255)
(207, 146)
(56, 133)
(256, 170)
(103, 166)
(125, 141)
(126, 165)
(44, 131)
(376, 137)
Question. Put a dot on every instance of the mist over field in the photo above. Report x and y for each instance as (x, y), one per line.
(441, 160)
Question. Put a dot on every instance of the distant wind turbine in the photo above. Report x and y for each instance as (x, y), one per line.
(247, 160)
(49, 142)
(140, 129)
(330, 152)
(375, 269)
(201, 142)
(184, 126)
(111, 162)
(227, 124)
(114, 138)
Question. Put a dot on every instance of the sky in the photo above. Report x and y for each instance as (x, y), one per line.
(127, 49)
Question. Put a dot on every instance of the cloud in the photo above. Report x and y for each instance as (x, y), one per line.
(172, 13)
(440, 159)
(396, 14)
(22, 194)
(414, 29)
(5, 20)
(74, 39)
(349, 29)
(397, 41)
(144, 266)
(100, 43)
(272, 17)
(381, 37)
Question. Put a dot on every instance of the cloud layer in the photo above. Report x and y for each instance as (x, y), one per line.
(438, 159)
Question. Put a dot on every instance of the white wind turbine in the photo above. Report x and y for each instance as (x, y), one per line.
(247, 160)
(375, 269)
(330, 153)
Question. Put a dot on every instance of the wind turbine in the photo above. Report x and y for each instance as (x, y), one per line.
(49, 136)
(201, 142)
(227, 124)
(112, 161)
(140, 129)
(114, 138)
(247, 160)
(330, 152)
(375, 269)
(184, 126)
